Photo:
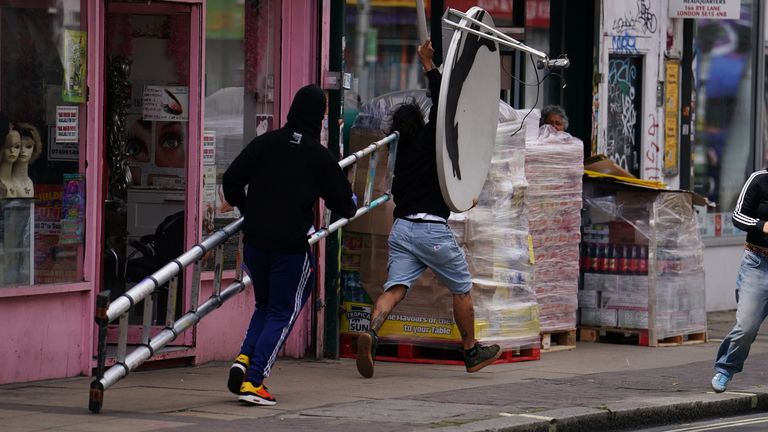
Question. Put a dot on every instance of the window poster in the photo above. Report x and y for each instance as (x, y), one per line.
(165, 103)
(66, 124)
(75, 61)
(156, 153)
(72, 209)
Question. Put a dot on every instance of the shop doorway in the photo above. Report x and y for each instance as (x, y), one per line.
(151, 122)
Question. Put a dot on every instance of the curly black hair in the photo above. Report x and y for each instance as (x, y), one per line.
(408, 120)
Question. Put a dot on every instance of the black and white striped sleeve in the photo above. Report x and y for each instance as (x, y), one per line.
(745, 214)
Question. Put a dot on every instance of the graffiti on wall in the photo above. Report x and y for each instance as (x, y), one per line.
(640, 20)
(624, 102)
(653, 152)
(625, 43)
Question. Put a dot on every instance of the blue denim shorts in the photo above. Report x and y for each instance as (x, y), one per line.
(414, 247)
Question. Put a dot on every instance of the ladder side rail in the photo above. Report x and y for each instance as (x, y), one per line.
(149, 284)
(142, 353)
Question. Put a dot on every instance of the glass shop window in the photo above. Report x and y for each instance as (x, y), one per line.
(241, 65)
(42, 100)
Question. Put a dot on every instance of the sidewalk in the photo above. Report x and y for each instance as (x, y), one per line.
(594, 387)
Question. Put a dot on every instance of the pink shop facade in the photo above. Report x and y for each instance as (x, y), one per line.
(132, 111)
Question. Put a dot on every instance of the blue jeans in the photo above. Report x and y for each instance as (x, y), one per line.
(281, 284)
(751, 310)
(415, 246)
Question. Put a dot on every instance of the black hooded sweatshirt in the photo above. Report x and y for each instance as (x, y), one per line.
(286, 170)
(416, 187)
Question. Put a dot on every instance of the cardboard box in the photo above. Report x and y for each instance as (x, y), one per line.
(633, 319)
(623, 232)
(598, 317)
(589, 299)
(601, 282)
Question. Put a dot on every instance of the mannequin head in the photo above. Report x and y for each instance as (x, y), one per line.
(31, 145)
(11, 148)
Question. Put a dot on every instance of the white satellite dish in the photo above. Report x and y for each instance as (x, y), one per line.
(467, 115)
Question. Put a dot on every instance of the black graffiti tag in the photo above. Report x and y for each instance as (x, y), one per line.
(644, 20)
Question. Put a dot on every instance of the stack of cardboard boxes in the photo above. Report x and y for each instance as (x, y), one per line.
(554, 167)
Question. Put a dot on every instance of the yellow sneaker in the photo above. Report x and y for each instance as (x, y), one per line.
(237, 373)
(256, 395)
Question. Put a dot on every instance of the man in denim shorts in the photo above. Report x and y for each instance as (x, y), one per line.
(420, 237)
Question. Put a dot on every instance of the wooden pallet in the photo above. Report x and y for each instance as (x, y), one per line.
(427, 352)
(558, 340)
(637, 337)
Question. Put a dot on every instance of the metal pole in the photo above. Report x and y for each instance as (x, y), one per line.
(421, 21)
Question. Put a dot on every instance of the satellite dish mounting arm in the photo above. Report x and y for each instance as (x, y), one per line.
(453, 18)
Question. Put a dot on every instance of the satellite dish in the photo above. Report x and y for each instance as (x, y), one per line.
(467, 115)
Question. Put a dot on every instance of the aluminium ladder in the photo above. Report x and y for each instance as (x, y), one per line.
(118, 309)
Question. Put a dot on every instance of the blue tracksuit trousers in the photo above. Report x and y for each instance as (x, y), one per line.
(282, 284)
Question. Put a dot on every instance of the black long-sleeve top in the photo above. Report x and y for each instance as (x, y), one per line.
(286, 170)
(416, 187)
(751, 210)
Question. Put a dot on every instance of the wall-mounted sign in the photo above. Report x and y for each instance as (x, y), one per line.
(161, 103)
(671, 115)
(710, 9)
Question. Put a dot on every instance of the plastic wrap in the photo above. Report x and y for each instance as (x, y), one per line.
(642, 260)
(554, 167)
(494, 236)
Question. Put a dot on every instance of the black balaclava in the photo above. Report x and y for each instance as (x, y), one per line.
(307, 110)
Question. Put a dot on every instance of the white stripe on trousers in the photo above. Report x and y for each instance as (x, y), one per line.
(296, 309)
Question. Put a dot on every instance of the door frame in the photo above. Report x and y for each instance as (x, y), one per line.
(193, 170)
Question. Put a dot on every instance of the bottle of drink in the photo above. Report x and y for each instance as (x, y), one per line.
(602, 259)
(633, 254)
(642, 263)
(623, 263)
(594, 258)
(610, 259)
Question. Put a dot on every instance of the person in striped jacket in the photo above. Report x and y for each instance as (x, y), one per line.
(750, 215)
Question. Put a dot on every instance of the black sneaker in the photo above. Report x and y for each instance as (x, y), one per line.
(237, 373)
(366, 352)
(484, 355)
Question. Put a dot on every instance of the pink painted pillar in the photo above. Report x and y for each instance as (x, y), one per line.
(298, 68)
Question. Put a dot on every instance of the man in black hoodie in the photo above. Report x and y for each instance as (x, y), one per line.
(285, 170)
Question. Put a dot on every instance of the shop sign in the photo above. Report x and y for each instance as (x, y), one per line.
(709, 9)
(671, 113)
(162, 103)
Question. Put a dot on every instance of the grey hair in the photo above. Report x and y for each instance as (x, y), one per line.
(554, 109)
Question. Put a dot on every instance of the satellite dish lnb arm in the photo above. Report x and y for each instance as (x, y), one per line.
(453, 18)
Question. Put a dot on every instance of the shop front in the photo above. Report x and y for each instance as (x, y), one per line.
(124, 116)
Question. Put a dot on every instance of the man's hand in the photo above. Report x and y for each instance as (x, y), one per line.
(426, 53)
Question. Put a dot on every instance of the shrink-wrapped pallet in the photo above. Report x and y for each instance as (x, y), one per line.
(554, 167)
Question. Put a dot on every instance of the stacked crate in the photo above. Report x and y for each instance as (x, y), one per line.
(642, 265)
(554, 168)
